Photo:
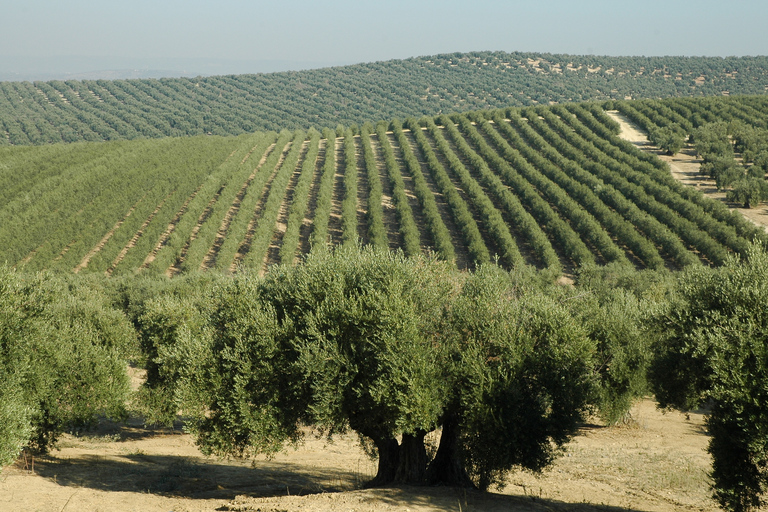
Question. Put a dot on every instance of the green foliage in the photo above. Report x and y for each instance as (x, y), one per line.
(435, 224)
(63, 353)
(667, 140)
(172, 321)
(749, 191)
(408, 229)
(521, 368)
(319, 237)
(389, 346)
(553, 186)
(88, 110)
(613, 303)
(712, 349)
(349, 233)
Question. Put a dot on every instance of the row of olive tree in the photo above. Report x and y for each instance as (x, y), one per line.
(505, 365)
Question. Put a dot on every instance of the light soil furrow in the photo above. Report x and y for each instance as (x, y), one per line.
(246, 157)
(84, 262)
(72, 242)
(210, 258)
(175, 268)
(273, 253)
(65, 250)
(245, 245)
(427, 244)
(169, 230)
(334, 223)
(306, 225)
(363, 192)
(132, 243)
(230, 155)
(463, 259)
(389, 213)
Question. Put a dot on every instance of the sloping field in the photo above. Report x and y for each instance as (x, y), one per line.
(95, 110)
(553, 187)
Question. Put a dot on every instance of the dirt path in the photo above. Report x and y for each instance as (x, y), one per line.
(685, 168)
(389, 212)
(306, 225)
(272, 257)
(657, 462)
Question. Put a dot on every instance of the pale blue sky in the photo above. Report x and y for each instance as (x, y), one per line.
(241, 36)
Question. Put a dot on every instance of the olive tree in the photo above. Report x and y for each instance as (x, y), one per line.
(667, 140)
(713, 349)
(63, 353)
(387, 346)
(519, 370)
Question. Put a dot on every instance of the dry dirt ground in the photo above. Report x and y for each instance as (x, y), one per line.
(685, 168)
(656, 462)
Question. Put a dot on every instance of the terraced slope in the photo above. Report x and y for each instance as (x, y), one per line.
(95, 110)
(553, 187)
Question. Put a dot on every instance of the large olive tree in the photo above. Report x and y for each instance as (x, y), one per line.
(388, 346)
(713, 350)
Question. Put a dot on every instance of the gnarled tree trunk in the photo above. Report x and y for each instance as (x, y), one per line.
(447, 467)
(389, 457)
(412, 464)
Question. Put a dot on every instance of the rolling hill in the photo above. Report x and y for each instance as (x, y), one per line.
(96, 110)
(550, 186)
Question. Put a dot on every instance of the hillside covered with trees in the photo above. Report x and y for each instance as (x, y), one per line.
(439, 308)
(551, 186)
(96, 110)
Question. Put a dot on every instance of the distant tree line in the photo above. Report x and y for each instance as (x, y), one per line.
(67, 111)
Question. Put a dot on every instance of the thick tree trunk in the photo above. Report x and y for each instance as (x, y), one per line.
(412, 464)
(447, 467)
(389, 457)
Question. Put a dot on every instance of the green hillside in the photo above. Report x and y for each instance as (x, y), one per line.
(553, 187)
(56, 111)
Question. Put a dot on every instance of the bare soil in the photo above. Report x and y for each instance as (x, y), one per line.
(306, 224)
(389, 211)
(656, 462)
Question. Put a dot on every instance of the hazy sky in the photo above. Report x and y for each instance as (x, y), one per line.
(298, 34)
